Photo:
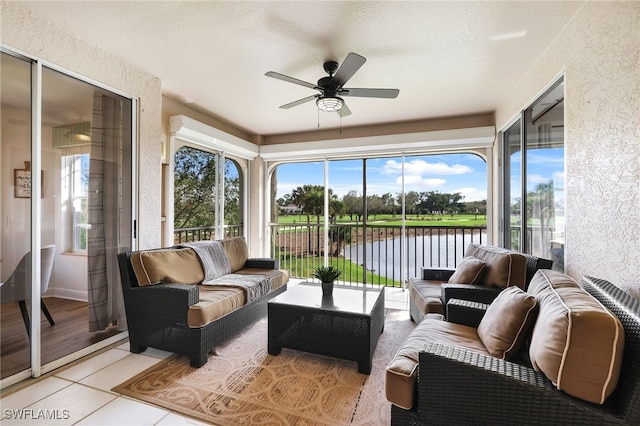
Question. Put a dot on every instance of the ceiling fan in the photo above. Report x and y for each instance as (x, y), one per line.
(332, 88)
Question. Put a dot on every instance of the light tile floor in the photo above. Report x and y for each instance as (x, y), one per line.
(81, 394)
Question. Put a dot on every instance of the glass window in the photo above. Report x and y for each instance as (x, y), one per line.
(387, 216)
(75, 190)
(207, 197)
(534, 179)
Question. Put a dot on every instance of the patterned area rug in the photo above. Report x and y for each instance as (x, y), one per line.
(242, 384)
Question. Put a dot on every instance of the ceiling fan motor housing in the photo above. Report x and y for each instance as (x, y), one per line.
(330, 67)
(324, 83)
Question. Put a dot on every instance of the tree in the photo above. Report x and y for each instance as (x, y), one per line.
(411, 200)
(310, 198)
(195, 193)
(353, 204)
(541, 206)
(336, 209)
(194, 183)
(339, 236)
(232, 213)
(375, 205)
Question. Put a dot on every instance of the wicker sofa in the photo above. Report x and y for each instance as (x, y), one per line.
(459, 386)
(480, 276)
(188, 299)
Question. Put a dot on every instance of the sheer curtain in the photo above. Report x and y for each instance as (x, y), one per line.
(105, 192)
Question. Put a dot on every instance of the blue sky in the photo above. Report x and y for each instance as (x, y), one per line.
(543, 165)
(464, 173)
(449, 173)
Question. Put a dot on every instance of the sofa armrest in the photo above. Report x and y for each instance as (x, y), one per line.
(166, 303)
(465, 312)
(262, 263)
(437, 274)
(458, 386)
(474, 293)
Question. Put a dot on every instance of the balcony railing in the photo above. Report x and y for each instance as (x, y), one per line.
(200, 233)
(384, 255)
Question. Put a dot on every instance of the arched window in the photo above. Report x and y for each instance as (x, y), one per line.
(207, 196)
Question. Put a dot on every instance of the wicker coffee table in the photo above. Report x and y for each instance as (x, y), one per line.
(346, 325)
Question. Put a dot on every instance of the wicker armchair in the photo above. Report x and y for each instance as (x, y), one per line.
(476, 293)
(460, 387)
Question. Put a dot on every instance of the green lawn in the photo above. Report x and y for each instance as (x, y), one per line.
(390, 220)
(303, 266)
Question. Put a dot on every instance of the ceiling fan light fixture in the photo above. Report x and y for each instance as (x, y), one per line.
(329, 103)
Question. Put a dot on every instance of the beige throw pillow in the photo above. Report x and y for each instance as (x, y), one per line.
(576, 342)
(507, 321)
(167, 266)
(469, 271)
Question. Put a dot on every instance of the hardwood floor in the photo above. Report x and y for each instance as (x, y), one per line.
(69, 334)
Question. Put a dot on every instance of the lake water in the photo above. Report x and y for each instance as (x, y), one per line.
(385, 257)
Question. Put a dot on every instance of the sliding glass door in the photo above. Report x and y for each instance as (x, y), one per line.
(15, 213)
(74, 175)
(533, 180)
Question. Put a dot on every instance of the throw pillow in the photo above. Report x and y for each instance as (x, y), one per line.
(469, 271)
(507, 321)
(167, 266)
(576, 342)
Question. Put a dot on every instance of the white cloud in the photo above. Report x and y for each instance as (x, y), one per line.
(558, 180)
(421, 167)
(433, 183)
(409, 180)
(471, 194)
(417, 183)
(536, 179)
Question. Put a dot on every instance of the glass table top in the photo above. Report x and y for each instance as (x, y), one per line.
(356, 300)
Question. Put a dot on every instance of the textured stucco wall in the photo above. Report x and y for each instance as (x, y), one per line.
(599, 52)
(28, 33)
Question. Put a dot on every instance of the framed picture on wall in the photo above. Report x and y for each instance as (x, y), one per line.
(22, 181)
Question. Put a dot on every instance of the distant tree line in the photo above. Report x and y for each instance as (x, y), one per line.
(309, 200)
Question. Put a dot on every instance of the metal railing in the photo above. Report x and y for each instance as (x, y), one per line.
(201, 233)
(384, 255)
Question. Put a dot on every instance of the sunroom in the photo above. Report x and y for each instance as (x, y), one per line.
(124, 121)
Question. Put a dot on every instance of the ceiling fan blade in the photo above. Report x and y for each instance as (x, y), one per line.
(344, 111)
(298, 102)
(290, 79)
(370, 93)
(348, 68)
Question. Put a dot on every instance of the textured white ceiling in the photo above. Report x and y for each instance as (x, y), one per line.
(447, 58)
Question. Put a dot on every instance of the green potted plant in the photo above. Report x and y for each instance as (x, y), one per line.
(327, 275)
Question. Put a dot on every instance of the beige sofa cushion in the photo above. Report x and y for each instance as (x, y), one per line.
(468, 271)
(426, 295)
(237, 252)
(576, 342)
(504, 267)
(171, 265)
(507, 322)
(402, 371)
(215, 302)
